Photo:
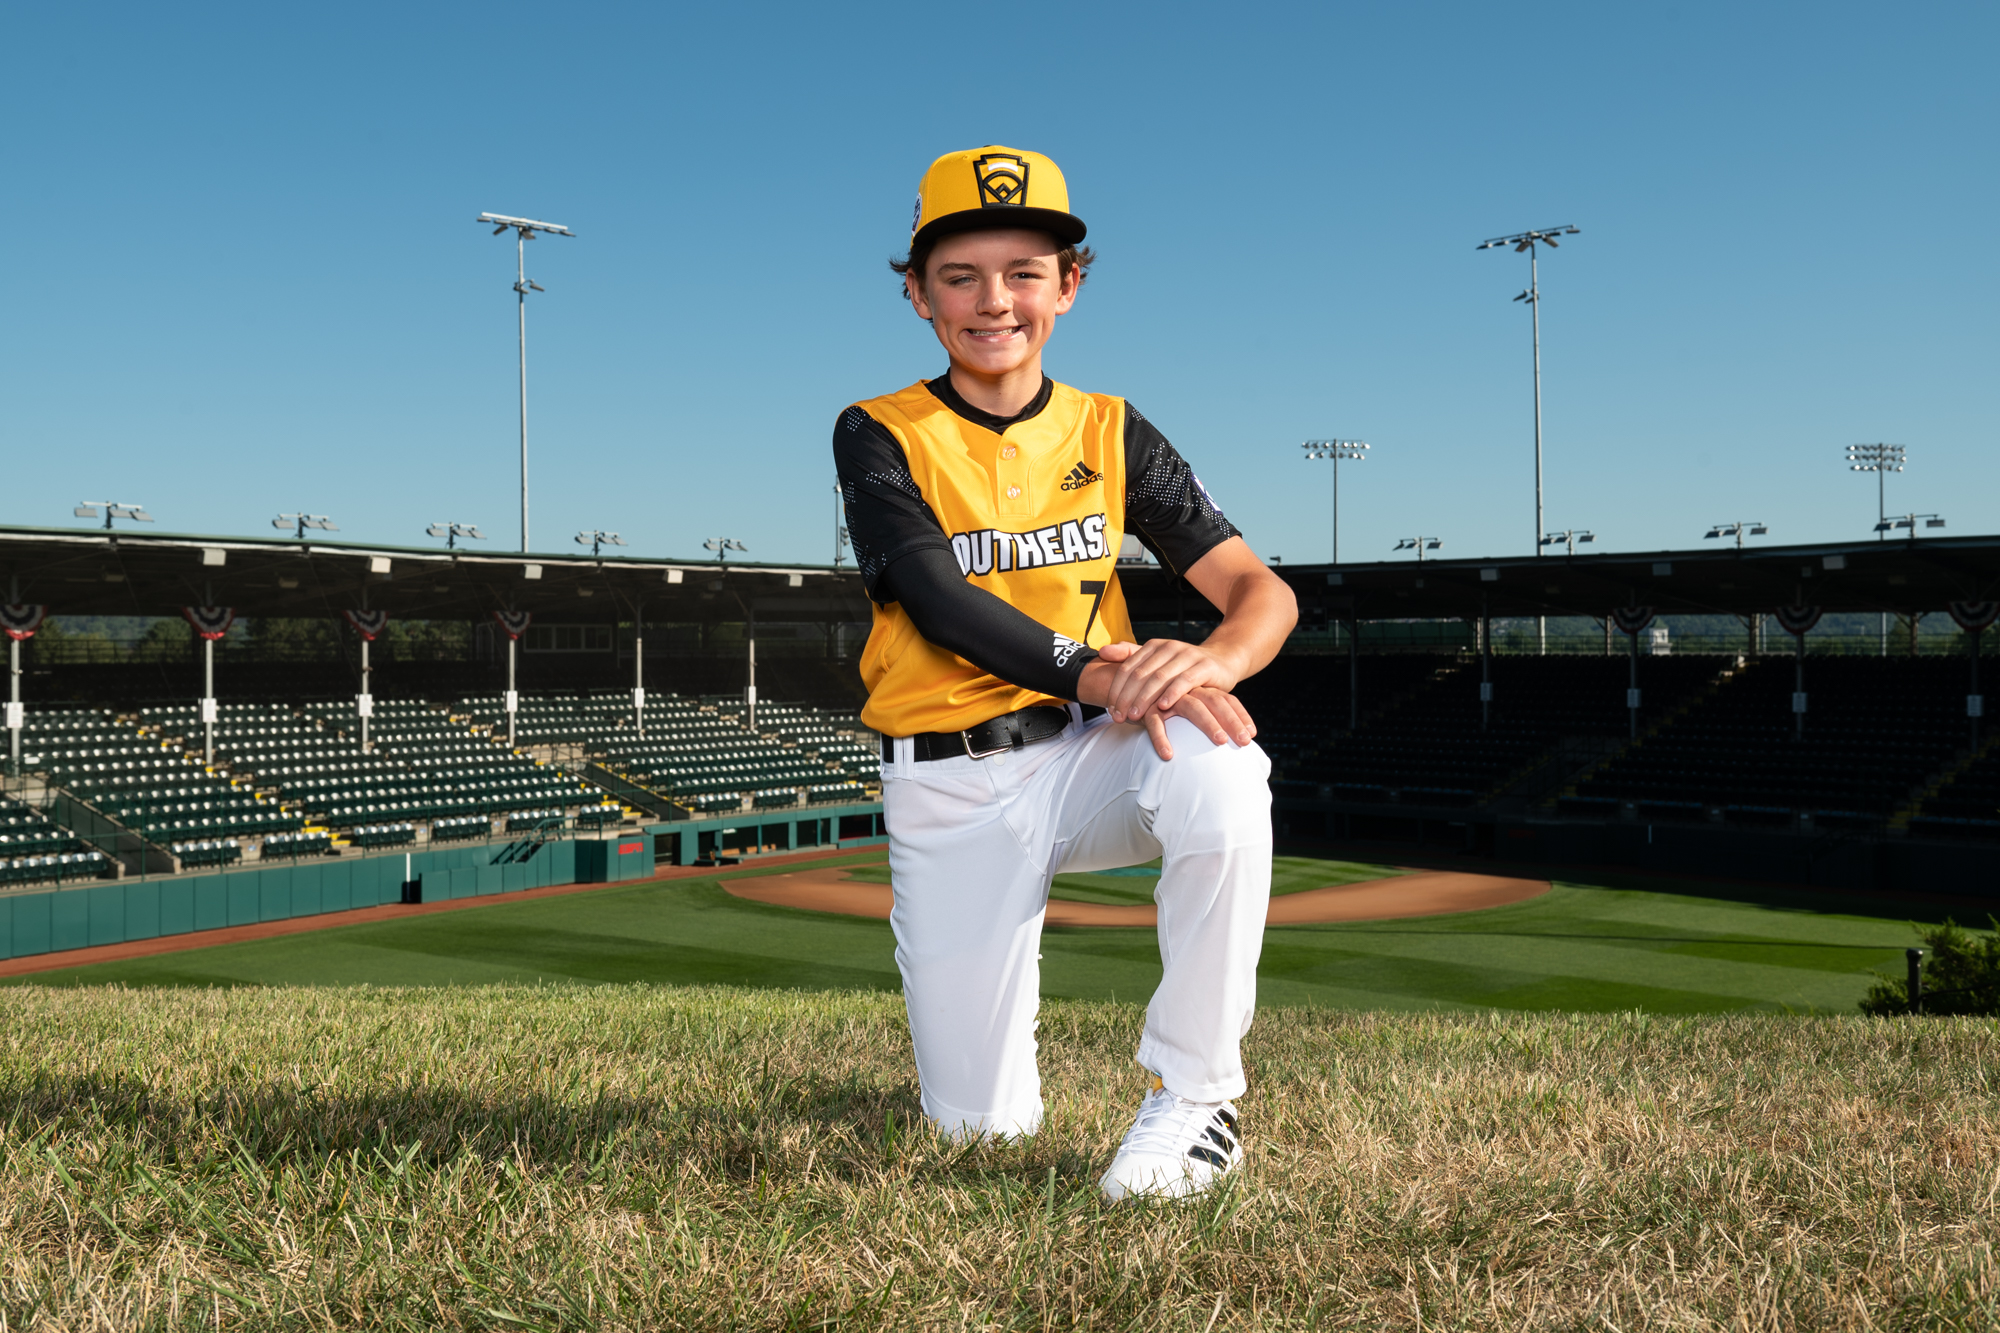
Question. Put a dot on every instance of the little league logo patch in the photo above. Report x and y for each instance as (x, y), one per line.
(917, 217)
(1003, 180)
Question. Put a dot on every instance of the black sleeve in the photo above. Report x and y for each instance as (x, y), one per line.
(1166, 506)
(887, 518)
(963, 618)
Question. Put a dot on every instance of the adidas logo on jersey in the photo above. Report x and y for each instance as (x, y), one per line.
(1080, 476)
(1066, 648)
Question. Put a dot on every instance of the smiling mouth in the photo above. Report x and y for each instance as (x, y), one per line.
(994, 335)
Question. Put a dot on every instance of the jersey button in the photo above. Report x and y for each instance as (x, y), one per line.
(1009, 451)
(1013, 492)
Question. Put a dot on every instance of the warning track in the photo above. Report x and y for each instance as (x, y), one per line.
(1419, 893)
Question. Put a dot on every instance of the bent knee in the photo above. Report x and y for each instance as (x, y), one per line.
(1209, 788)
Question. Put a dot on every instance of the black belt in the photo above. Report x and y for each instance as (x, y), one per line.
(1010, 731)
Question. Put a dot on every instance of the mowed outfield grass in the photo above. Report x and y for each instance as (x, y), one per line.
(642, 1158)
(1580, 947)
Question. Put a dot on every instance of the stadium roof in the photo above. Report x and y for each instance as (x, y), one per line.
(81, 572)
(85, 572)
(1900, 575)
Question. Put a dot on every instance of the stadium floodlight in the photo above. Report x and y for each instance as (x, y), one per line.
(1737, 530)
(300, 522)
(722, 546)
(1419, 545)
(112, 509)
(1568, 538)
(451, 532)
(1880, 459)
(596, 538)
(1338, 451)
(1909, 521)
(842, 539)
(1530, 243)
(524, 231)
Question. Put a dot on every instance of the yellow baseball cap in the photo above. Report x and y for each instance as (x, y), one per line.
(980, 189)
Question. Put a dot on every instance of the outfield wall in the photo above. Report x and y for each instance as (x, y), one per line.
(122, 910)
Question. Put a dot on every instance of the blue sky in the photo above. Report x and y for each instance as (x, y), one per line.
(244, 275)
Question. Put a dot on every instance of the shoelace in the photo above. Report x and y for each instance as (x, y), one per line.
(1173, 1125)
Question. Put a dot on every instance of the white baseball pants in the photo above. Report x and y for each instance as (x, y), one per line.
(972, 846)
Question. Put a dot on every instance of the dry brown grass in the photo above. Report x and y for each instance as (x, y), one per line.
(663, 1159)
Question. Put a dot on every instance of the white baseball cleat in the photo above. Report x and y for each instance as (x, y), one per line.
(1175, 1149)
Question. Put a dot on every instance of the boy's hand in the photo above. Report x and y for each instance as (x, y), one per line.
(1167, 678)
(1154, 676)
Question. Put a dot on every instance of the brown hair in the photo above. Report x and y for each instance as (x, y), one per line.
(1077, 257)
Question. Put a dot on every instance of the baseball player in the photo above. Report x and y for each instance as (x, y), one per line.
(1024, 732)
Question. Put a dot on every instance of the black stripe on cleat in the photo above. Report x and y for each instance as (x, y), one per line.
(1209, 1155)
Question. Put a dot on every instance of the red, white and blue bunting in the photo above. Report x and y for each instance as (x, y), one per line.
(21, 619)
(211, 622)
(1631, 619)
(1973, 617)
(1797, 620)
(367, 624)
(514, 622)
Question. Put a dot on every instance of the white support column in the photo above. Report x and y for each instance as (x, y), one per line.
(15, 719)
(15, 716)
(513, 700)
(364, 706)
(750, 691)
(639, 669)
(208, 709)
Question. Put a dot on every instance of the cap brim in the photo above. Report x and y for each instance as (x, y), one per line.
(1067, 228)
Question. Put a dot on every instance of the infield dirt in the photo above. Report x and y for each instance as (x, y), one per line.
(1420, 893)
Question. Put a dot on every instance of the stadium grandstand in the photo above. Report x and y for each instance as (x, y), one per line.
(200, 705)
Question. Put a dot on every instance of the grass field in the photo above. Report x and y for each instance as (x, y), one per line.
(1579, 947)
(636, 1157)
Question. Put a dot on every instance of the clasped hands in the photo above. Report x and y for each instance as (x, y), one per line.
(1162, 678)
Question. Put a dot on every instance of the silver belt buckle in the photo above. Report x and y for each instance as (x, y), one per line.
(972, 753)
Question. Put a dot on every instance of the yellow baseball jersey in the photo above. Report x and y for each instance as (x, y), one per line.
(1033, 510)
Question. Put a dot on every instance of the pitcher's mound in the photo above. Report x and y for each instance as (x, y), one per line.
(1420, 893)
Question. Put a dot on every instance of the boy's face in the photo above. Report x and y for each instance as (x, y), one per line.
(993, 297)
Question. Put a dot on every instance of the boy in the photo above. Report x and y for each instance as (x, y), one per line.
(1024, 733)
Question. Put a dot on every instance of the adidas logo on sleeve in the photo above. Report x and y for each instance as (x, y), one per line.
(1066, 648)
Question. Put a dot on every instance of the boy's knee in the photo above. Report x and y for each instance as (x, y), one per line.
(1208, 789)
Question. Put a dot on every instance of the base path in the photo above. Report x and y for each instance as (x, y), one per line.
(1420, 893)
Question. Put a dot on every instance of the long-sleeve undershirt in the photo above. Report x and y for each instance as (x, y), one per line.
(905, 555)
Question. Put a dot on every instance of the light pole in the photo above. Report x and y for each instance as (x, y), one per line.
(300, 522)
(112, 509)
(1337, 451)
(1419, 545)
(722, 546)
(1884, 527)
(1909, 521)
(451, 532)
(524, 229)
(1879, 459)
(1528, 241)
(1568, 539)
(1737, 530)
(840, 537)
(596, 538)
